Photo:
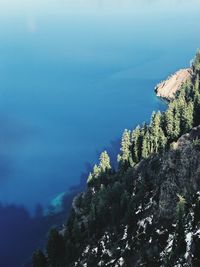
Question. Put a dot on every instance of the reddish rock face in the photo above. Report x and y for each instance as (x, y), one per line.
(168, 88)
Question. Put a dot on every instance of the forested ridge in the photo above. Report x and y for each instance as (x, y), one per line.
(145, 213)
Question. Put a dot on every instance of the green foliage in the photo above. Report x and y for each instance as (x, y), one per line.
(135, 141)
(101, 170)
(124, 158)
(196, 63)
(104, 164)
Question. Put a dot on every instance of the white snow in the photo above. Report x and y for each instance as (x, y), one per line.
(143, 222)
(121, 261)
(127, 245)
(139, 209)
(168, 248)
(94, 250)
(188, 240)
(125, 233)
(149, 204)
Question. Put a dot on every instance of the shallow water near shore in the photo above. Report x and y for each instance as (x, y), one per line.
(73, 77)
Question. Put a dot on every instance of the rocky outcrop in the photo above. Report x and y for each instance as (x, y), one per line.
(147, 231)
(168, 88)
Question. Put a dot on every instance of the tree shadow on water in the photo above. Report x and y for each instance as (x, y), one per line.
(22, 233)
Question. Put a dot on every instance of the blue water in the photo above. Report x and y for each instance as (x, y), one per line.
(73, 75)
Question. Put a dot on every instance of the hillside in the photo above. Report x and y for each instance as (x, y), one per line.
(145, 213)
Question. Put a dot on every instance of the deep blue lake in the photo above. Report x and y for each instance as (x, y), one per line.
(73, 76)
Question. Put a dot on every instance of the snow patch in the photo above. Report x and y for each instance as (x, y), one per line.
(188, 240)
(125, 233)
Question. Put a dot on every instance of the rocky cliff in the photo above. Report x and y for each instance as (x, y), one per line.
(147, 212)
(168, 88)
(152, 231)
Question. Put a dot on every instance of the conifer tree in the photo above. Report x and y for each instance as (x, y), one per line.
(162, 140)
(39, 259)
(96, 171)
(135, 144)
(196, 83)
(103, 167)
(196, 108)
(187, 117)
(168, 122)
(125, 155)
(104, 164)
(172, 122)
(55, 249)
(196, 63)
(145, 147)
(90, 178)
(179, 243)
(157, 136)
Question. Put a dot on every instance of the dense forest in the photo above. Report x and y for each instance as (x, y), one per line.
(146, 212)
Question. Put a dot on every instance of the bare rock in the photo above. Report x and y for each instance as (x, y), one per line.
(168, 88)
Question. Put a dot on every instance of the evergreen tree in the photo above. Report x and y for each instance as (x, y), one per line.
(55, 249)
(90, 178)
(172, 122)
(98, 171)
(124, 158)
(39, 259)
(169, 123)
(187, 117)
(196, 63)
(179, 243)
(104, 164)
(145, 151)
(196, 83)
(196, 108)
(155, 131)
(135, 136)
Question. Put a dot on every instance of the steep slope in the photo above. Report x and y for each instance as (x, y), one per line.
(158, 225)
(147, 213)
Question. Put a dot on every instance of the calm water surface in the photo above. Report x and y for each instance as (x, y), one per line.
(73, 75)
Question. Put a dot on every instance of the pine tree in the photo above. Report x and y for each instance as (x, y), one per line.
(125, 155)
(96, 171)
(169, 123)
(55, 249)
(145, 151)
(196, 83)
(90, 178)
(187, 117)
(155, 130)
(104, 164)
(196, 108)
(39, 259)
(172, 121)
(104, 167)
(179, 243)
(135, 135)
(196, 63)
(162, 140)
